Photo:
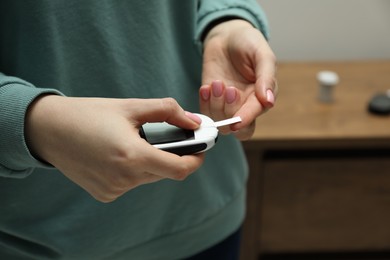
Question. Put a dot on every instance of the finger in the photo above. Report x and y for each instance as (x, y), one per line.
(232, 99)
(248, 112)
(169, 165)
(245, 133)
(232, 105)
(204, 99)
(266, 89)
(108, 193)
(265, 69)
(217, 100)
(164, 110)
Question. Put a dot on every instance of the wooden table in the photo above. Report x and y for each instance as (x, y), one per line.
(320, 173)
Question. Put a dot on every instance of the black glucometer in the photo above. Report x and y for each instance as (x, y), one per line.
(182, 141)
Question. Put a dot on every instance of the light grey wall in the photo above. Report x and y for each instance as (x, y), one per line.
(304, 30)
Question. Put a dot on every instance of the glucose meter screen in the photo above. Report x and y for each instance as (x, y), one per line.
(166, 134)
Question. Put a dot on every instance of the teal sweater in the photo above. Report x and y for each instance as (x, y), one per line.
(143, 49)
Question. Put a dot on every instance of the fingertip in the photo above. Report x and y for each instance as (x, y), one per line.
(204, 92)
(244, 130)
(248, 113)
(217, 88)
(266, 91)
(194, 117)
(199, 159)
(266, 99)
(230, 95)
(270, 97)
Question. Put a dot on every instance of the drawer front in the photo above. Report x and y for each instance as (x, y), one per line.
(325, 201)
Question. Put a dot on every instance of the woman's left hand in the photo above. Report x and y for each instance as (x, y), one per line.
(238, 76)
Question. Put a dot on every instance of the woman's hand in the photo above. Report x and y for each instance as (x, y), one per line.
(238, 76)
(95, 142)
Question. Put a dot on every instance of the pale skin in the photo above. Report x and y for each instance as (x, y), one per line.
(238, 76)
(95, 141)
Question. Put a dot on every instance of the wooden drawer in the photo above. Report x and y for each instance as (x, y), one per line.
(325, 201)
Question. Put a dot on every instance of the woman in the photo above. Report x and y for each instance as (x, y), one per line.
(79, 79)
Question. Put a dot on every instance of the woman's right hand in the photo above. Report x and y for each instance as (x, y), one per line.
(95, 142)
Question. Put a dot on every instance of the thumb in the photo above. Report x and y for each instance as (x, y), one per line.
(164, 110)
(265, 69)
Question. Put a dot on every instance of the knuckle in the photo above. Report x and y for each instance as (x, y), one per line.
(111, 189)
(268, 55)
(104, 198)
(169, 103)
(125, 176)
(272, 57)
(122, 182)
(272, 82)
(133, 183)
(181, 173)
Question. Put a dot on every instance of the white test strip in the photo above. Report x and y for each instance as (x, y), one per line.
(228, 121)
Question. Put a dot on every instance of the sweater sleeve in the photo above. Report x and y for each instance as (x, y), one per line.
(16, 95)
(210, 11)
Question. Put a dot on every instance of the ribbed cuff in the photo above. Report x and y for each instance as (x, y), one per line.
(15, 157)
(257, 19)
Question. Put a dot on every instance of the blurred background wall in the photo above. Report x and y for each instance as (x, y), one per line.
(312, 30)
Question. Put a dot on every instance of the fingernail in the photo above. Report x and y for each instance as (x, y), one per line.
(231, 95)
(205, 94)
(194, 117)
(217, 88)
(270, 97)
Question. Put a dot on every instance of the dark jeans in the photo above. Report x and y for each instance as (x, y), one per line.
(228, 249)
